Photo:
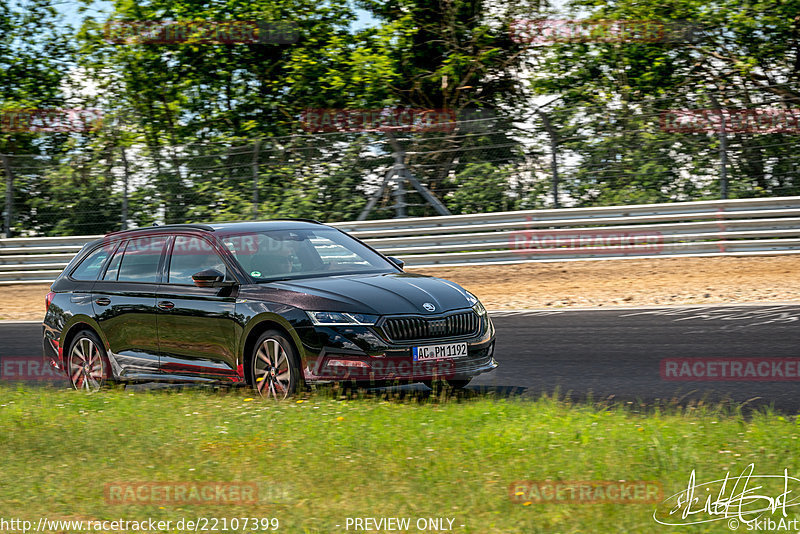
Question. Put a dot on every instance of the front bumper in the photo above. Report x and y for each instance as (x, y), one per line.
(364, 354)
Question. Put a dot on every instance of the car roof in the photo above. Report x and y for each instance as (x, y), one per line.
(273, 224)
(232, 227)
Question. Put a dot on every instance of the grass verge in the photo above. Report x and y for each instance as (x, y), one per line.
(324, 458)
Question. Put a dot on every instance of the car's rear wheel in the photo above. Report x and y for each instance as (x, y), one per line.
(87, 363)
(275, 366)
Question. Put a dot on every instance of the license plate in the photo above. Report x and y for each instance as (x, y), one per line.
(439, 352)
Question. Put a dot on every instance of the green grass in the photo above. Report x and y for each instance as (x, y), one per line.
(327, 457)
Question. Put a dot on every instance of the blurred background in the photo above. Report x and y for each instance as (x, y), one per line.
(109, 123)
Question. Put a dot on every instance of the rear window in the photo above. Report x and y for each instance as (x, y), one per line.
(89, 268)
(113, 265)
(141, 259)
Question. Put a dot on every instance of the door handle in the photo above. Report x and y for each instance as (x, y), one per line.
(166, 305)
(103, 301)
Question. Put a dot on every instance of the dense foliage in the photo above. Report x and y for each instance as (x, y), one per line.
(198, 130)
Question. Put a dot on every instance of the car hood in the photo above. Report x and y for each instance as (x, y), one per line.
(382, 294)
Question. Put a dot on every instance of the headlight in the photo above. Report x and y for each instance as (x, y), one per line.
(323, 318)
(475, 303)
(479, 309)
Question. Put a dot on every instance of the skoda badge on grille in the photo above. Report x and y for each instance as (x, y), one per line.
(428, 306)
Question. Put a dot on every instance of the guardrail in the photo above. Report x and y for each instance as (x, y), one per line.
(717, 227)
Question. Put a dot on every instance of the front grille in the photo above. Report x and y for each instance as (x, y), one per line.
(405, 328)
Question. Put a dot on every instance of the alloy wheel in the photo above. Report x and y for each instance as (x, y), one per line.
(273, 373)
(86, 366)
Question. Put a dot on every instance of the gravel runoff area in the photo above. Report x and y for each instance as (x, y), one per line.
(661, 281)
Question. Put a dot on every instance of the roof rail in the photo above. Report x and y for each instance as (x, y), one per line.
(194, 226)
(301, 219)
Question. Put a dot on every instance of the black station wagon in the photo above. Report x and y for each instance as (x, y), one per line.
(276, 305)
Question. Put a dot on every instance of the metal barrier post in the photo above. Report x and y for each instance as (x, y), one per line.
(9, 196)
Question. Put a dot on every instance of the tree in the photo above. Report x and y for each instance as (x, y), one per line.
(456, 56)
(613, 96)
(37, 55)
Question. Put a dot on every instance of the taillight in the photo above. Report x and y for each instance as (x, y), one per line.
(48, 300)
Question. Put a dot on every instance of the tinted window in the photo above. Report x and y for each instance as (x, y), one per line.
(90, 267)
(288, 254)
(141, 259)
(113, 265)
(191, 255)
(337, 256)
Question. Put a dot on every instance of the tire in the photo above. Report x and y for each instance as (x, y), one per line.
(88, 367)
(275, 366)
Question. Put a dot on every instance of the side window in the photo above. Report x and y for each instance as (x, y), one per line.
(191, 255)
(113, 266)
(90, 267)
(141, 259)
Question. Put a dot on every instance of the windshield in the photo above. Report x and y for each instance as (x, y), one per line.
(290, 254)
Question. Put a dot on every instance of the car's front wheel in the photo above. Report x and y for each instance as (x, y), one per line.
(275, 366)
(87, 363)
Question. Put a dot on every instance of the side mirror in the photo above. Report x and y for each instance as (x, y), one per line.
(209, 278)
(397, 261)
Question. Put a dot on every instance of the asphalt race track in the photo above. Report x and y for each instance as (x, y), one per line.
(609, 354)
